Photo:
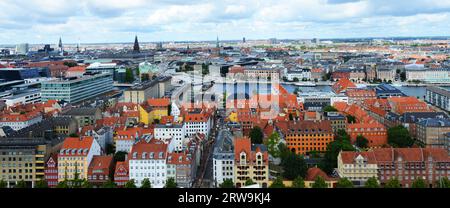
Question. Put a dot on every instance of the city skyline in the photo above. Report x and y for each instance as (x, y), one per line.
(111, 21)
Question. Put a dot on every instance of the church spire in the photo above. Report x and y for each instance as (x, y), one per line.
(60, 46)
(136, 48)
(217, 42)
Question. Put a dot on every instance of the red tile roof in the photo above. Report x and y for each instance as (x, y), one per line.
(76, 146)
(313, 173)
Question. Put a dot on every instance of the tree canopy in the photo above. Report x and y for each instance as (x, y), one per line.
(342, 142)
(130, 184)
(277, 183)
(249, 182)
(170, 183)
(372, 183)
(319, 183)
(256, 135)
(146, 183)
(329, 108)
(362, 142)
(344, 183)
(272, 144)
(3, 184)
(443, 182)
(393, 183)
(41, 184)
(294, 166)
(399, 137)
(419, 183)
(227, 183)
(109, 184)
(298, 182)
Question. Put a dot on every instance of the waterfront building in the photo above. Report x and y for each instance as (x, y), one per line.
(386, 90)
(438, 96)
(432, 131)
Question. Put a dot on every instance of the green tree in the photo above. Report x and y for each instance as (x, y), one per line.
(319, 183)
(63, 184)
(362, 142)
(205, 69)
(403, 76)
(256, 135)
(351, 119)
(249, 182)
(393, 183)
(70, 64)
(344, 183)
(419, 183)
(277, 183)
(298, 182)
(272, 144)
(329, 108)
(227, 183)
(3, 184)
(109, 184)
(372, 183)
(399, 137)
(146, 183)
(170, 183)
(294, 166)
(341, 143)
(129, 77)
(120, 156)
(41, 184)
(73, 135)
(443, 182)
(86, 184)
(295, 79)
(21, 184)
(130, 184)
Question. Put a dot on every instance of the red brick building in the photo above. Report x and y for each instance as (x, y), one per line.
(375, 133)
(51, 171)
(121, 173)
(100, 170)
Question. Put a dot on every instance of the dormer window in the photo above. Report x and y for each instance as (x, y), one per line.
(144, 155)
(61, 151)
(180, 159)
(161, 155)
(152, 155)
(134, 155)
(74, 151)
(85, 151)
(80, 151)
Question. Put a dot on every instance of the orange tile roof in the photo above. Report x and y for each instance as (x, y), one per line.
(74, 144)
(100, 162)
(153, 146)
(158, 102)
(342, 85)
(313, 173)
(77, 69)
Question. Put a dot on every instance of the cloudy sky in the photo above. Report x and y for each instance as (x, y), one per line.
(99, 21)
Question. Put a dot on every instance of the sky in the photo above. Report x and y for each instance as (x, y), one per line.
(107, 21)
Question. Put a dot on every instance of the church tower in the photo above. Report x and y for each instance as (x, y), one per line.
(136, 48)
(60, 47)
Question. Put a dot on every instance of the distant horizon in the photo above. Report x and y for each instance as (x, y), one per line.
(435, 37)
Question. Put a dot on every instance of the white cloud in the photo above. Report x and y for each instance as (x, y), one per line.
(112, 20)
